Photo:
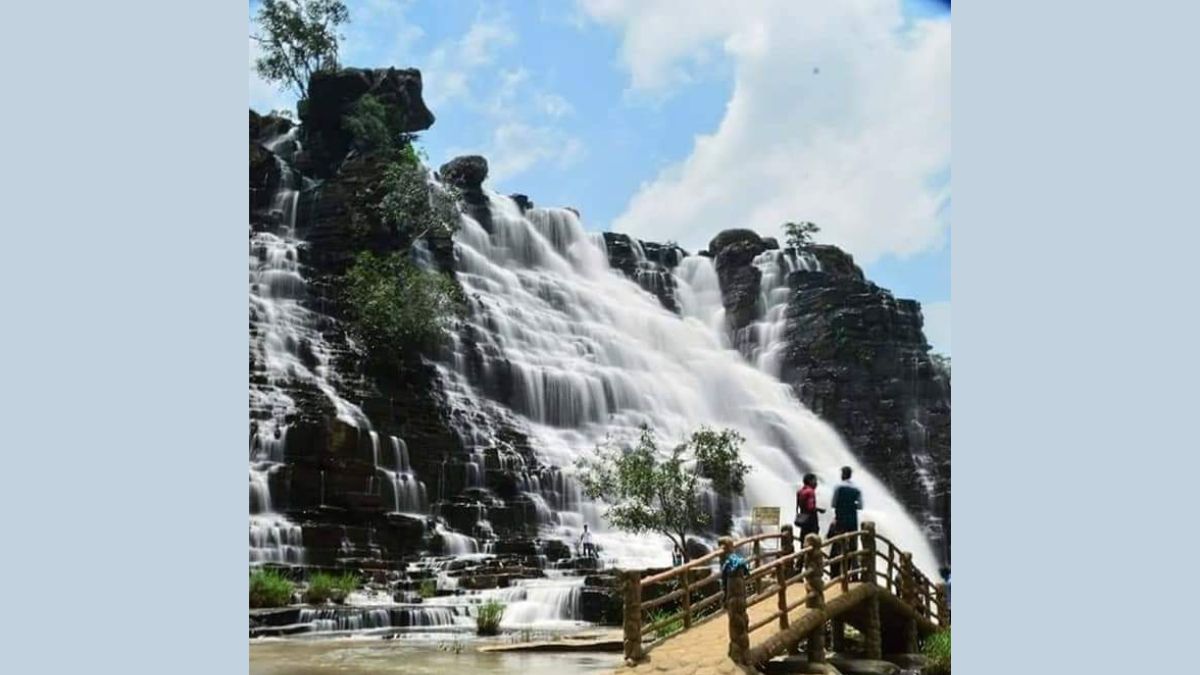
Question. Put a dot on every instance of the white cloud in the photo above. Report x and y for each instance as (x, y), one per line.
(453, 65)
(937, 325)
(840, 114)
(516, 147)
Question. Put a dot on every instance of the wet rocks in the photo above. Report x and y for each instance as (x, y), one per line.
(733, 252)
(649, 264)
(332, 95)
(857, 356)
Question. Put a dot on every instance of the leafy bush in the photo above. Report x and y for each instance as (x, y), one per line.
(671, 627)
(374, 126)
(487, 622)
(299, 38)
(937, 649)
(324, 587)
(646, 490)
(800, 234)
(269, 588)
(428, 588)
(396, 306)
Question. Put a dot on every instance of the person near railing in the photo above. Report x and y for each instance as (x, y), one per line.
(945, 573)
(847, 502)
(806, 507)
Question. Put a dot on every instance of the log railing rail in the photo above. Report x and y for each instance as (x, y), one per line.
(792, 578)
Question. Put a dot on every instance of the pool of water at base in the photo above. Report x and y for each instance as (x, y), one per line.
(416, 655)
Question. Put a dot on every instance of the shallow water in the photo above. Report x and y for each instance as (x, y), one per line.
(417, 656)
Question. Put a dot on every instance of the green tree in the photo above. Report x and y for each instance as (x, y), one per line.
(646, 490)
(299, 38)
(800, 234)
(397, 306)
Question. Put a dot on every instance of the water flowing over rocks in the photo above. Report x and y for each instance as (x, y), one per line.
(453, 465)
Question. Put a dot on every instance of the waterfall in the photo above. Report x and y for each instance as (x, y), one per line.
(287, 350)
(762, 342)
(576, 352)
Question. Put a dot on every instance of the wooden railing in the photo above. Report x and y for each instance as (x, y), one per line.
(658, 606)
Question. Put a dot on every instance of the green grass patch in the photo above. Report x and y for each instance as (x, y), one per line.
(487, 622)
(323, 587)
(269, 588)
(937, 649)
(668, 629)
(428, 588)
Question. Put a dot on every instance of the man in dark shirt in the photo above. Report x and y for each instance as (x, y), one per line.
(847, 501)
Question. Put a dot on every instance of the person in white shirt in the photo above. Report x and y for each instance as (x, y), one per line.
(585, 543)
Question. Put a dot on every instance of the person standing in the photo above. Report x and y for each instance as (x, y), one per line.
(585, 543)
(806, 507)
(847, 502)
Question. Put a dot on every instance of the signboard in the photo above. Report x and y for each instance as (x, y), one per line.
(765, 515)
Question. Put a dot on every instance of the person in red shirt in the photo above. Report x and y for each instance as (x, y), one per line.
(806, 507)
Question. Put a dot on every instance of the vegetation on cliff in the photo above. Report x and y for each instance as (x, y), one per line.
(800, 234)
(650, 491)
(396, 306)
(298, 38)
(323, 587)
(269, 588)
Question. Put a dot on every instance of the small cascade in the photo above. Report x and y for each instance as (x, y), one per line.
(348, 619)
(407, 491)
(456, 543)
(541, 603)
(762, 342)
(287, 351)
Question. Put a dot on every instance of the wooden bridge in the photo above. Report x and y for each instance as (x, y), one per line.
(682, 620)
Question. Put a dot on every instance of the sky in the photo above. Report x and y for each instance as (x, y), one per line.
(672, 120)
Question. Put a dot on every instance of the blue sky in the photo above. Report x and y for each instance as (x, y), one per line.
(672, 124)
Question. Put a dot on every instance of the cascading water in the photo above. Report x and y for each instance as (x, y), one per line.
(289, 350)
(578, 352)
(762, 341)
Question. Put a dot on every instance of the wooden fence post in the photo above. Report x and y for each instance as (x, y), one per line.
(908, 593)
(739, 622)
(943, 606)
(813, 572)
(632, 580)
(781, 577)
(687, 599)
(756, 585)
(787, 546)
(868, 547)
(908, 581)
(873, 635)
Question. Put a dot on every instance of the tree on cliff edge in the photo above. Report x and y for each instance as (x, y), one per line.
(800, 234)
(299, 38)
(649, 491)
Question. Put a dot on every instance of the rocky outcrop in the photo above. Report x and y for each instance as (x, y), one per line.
(647, 263)
(858, 357)
(333, 94)
(733, 253)
(466, 174)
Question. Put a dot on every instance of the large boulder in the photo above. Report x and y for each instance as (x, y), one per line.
(332, 94)
(733, 252)
(466, 173)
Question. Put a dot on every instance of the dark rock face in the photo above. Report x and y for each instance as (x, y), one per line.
(522, 202)
(733, 252)
(332, 94)
(857, 356)
(647, 263)
(467, 173)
